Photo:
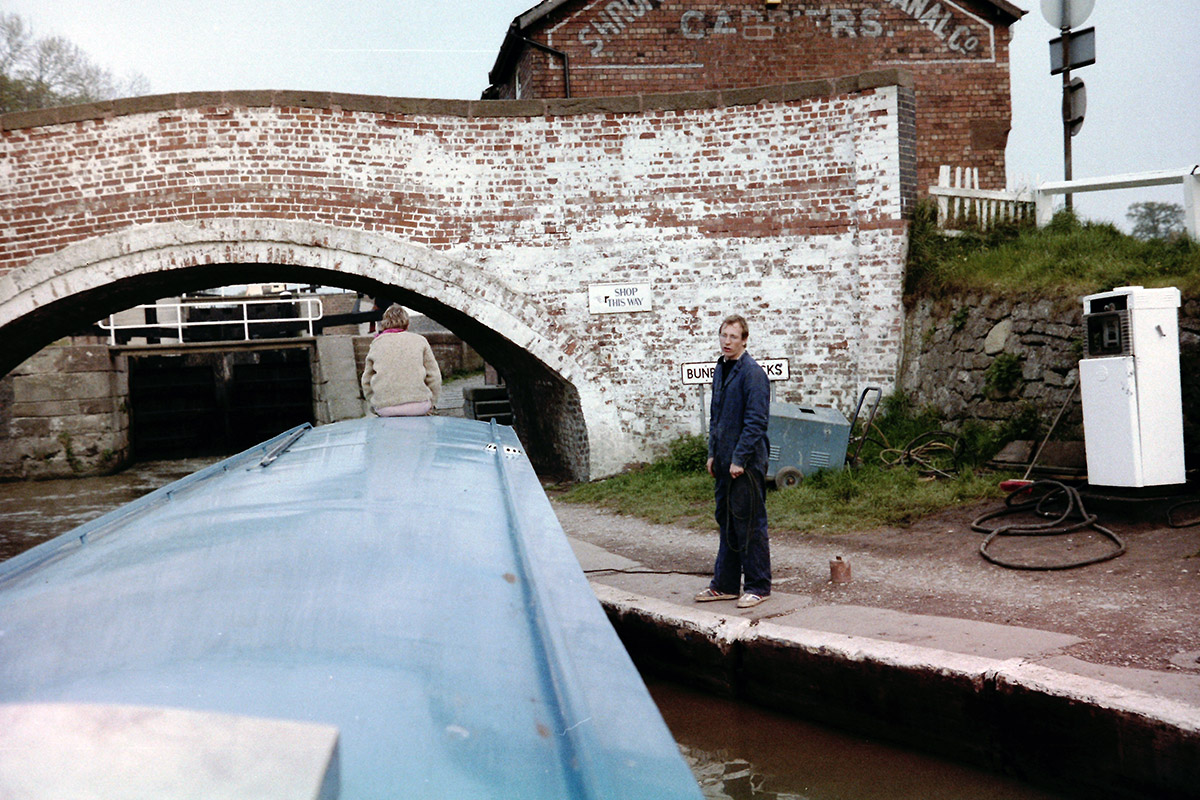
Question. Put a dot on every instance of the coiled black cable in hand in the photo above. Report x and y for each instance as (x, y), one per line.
(1041, 496)
(748, 479)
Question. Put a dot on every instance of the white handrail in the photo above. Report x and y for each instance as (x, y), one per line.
(1189, 177)
(310, 309)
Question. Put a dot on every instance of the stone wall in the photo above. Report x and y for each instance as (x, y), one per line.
(63, 413)
(957, 351)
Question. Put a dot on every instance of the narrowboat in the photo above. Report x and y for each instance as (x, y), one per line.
(378, 608)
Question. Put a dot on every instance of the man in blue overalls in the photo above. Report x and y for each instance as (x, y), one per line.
(737, 459)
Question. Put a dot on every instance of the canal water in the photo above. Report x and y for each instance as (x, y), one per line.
(735, 751)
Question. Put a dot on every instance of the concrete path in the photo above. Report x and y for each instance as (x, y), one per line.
(944, 634)
(450, 401)
(1001, 696)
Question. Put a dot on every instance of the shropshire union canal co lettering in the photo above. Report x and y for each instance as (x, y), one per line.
(963, 35)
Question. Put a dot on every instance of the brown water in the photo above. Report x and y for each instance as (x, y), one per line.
(739, 752)
(33, 511)
(736, 751)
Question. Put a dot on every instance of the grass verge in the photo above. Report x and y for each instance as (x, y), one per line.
(1068, 257)
(676, 489)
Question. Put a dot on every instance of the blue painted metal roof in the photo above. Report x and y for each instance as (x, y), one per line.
(404, 579)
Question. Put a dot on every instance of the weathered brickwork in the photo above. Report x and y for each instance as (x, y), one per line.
(784, 204)
(957, 51)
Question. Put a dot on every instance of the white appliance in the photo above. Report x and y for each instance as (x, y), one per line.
(1129, 383)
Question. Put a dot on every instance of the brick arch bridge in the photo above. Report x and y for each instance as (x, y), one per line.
(496, 218)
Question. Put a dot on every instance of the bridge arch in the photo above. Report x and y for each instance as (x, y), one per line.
(53, 295)
(504, 219)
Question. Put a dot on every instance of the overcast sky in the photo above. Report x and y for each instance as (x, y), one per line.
(1142, 90)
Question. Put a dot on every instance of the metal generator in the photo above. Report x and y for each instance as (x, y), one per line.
(1129, 381)
(803, 441)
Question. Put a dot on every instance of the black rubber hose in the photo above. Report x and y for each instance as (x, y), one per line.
(1042, 494)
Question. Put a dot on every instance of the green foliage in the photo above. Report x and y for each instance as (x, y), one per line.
(1003, 375)
(871, 497)
(51, 71)
(73, 461)
(656, 492)
(1153, 220)
(677, 489)
(1068, 257)
(958, 319)
(688, 454)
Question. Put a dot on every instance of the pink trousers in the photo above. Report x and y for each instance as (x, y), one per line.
(417, 409)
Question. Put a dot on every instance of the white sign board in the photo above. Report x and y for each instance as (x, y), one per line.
(617, 298)
(701, 372)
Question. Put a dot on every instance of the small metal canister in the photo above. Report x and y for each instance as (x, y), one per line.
(839, 571)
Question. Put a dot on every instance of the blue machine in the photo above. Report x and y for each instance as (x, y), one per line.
(388, 606)
(804, 440)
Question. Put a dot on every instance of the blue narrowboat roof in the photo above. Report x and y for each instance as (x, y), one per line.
(403, 579)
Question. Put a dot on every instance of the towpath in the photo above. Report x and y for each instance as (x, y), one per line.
(1129, 622)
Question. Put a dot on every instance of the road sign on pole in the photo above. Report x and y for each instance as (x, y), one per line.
(1067, 13)
(1082, 51)
(1074, 105)
(1068, 51)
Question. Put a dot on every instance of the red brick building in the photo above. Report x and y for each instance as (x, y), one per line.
(956, 50)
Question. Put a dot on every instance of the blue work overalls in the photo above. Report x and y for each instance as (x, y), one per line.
(737, 434)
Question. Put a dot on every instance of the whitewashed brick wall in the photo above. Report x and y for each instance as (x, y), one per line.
(787, 211)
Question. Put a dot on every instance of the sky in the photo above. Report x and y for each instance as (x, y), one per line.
(1141, 92)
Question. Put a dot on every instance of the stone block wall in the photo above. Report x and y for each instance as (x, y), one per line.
(955, 349)
(63, 412)
(337, 393)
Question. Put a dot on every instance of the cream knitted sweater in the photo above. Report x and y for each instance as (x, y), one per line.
(400, 368)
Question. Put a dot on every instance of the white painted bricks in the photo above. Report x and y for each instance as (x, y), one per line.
(787, 212)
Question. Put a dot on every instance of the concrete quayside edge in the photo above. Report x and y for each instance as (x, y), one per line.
(1067, 732)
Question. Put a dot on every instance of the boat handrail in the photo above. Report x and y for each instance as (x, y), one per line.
(567, 688)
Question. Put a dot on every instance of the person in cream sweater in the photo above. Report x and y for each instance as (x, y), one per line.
(401, 377)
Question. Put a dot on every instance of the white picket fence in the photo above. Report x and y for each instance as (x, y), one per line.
(962, 204)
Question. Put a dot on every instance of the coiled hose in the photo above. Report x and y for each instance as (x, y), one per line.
(1042, 495)
(933, 453)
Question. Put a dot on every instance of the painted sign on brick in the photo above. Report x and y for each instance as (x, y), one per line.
(962, 34)
(618, 298)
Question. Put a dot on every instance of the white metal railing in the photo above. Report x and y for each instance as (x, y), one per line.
(961, 203)
(308, 310)
(1188, 177)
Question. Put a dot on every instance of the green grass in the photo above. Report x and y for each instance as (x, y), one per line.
(1068, 258)
(863, 498)
(676, 489)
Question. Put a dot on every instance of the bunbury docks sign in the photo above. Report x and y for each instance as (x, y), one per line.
(701, 372)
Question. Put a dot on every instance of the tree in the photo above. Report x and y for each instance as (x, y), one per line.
(1153, 220)
(51, 71)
